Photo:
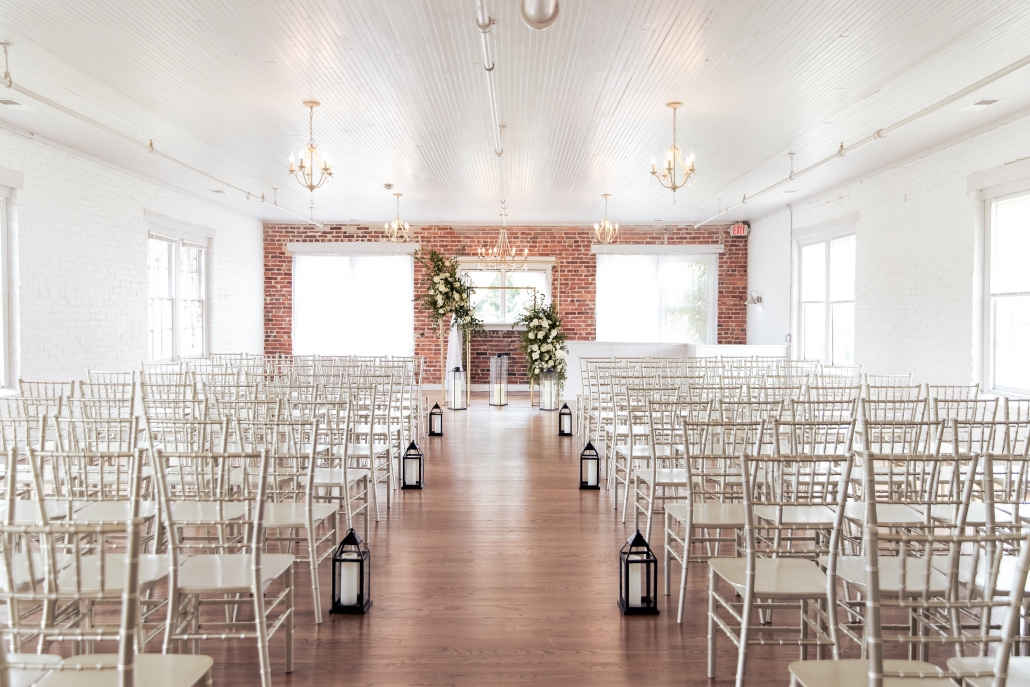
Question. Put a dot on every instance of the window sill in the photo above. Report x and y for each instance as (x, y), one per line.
(502, 327)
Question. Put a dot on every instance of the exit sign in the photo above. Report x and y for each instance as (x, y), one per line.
(740, 229)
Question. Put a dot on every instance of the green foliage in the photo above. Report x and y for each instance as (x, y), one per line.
(543, 341)
(447, 292)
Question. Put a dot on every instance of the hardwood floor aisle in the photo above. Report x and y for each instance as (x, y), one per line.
(500, 572)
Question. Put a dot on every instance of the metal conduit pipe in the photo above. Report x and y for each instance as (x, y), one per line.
(149, 147)
(485, 24)
(881, 133)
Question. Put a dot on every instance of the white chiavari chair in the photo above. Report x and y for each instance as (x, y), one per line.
(893, 392)
(886, 380)
(953, 392)
(820, 392)
(292, 513)
(229, 569)
(714, 505)
(772, 576)
(339, 477)
(84, 565)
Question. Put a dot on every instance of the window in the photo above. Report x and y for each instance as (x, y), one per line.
(177, 303)
(1009, 295)
(657, 298)
(828, 301)
(496, 305)
(353, 304)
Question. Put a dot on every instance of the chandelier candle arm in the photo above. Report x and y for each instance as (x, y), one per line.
(503, 256)
(399, 231)
(606, 232)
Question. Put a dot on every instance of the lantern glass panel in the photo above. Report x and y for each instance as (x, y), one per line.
(548, 390)
(499, 380)
(456, 399)
(436, 421)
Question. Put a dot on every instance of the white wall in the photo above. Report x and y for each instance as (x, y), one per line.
(915, 256)
(79, 263)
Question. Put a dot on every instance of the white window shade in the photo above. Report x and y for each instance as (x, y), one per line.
(353, 304)
(669, 298)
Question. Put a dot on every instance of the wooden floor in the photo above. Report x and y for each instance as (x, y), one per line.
(500, 572)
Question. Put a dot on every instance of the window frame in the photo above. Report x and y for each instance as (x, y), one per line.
(708, 253)
(535, 264)
(1000, 195)
(826, 238)
(178, 242)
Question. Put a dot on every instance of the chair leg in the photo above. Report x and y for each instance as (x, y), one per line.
(313, 564)
(652, 493)
(745, 633)
(625, 492)
(261, 627)
(711, 621)
(683, 572)
(290, 609)
(665, 562)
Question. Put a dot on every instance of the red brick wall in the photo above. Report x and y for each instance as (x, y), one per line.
(574, 281)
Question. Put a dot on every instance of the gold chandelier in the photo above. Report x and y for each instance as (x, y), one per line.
(502, 256)
(399, 231)
(606, 232)
(311, 163)
(675, 173)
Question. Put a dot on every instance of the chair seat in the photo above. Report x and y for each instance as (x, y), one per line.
(852, 569)
(27, 512)
(218, 573)
(152, 670)
(775, 578)
(24, 677)
(191, 512)
(854, 672)
(643, 451)
(113, 511)
(714, 515)
(295, 514)
(887, 514)
(152, 569)
(333, 477)
(814, 514)
(667, 477)
(1018, 671)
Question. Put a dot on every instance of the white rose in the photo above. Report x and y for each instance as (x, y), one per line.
(543, 324)
(535, 356)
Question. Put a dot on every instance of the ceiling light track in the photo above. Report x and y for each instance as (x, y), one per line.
(878, 134)
(485, 24)
(149, 147)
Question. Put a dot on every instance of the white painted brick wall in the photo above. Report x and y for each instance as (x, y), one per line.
(79, 292)
(914, 270)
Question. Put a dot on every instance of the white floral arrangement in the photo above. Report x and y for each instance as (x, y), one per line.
(447, 292)
(543, 341)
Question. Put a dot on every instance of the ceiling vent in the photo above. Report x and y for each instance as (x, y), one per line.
(979, 105)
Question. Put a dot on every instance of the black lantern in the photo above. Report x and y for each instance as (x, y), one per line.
(413, 468)
(436, 421)
(638, 577)
(457, 397)
(565, 421)
(589, 468)
(352, 576)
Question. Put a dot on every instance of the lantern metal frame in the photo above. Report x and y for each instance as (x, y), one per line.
(456, 397)
(565, 418)
(352, 544)
(637, 555)
(436, 421)
(413, 453)
(588, 455)
(499, 379)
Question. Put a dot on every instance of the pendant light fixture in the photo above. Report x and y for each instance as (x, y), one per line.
(502, 256)
(399, 231)
(675, 172)
(312, 170)
(606, 232)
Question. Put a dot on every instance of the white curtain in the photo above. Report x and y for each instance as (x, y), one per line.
(656, 298)
(353, 304)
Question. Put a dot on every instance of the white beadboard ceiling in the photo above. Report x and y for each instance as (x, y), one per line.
(219, 84)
